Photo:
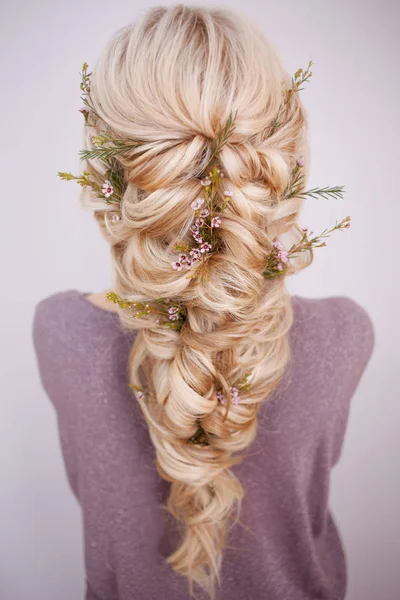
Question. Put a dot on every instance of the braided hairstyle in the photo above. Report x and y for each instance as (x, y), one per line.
(169, 81)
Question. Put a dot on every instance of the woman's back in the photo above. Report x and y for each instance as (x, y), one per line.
(286, 546)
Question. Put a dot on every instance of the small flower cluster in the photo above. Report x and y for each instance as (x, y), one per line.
(201, 437)
(173, 312)
(111, 191)
(187, 261)
(243, 384)
(278, 259)
(235, 396)
(168, 313)
(281, 255)
(207, 220)
(140, 393)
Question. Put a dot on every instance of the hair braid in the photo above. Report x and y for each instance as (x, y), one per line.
(169, 81)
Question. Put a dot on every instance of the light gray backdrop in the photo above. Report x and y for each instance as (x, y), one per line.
(49, 244)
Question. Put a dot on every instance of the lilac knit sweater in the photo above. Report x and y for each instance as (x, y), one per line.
(289, 548)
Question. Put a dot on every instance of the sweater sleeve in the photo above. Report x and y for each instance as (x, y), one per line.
(91, 595)
(357, 343)
(67, 338)
(50, 344)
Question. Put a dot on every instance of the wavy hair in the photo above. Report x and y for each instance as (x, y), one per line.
(169, 81)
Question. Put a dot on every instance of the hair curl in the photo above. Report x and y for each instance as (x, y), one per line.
(169, 81)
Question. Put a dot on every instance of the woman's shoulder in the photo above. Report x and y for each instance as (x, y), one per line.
(67, 322)
(331, 307)
(70, 301)
(70, 309)
(333, 324)
(75, 340)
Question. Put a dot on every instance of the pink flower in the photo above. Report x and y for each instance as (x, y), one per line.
(115, 218)
(177, 265)
(235, 395)
(188, 263)
(139, 395)
(107, 189)
(173, 309)
(182, 258)
(195, 253)
(305, 229)
(215, 222)
(205, 247)
(205, 181)
(197, 203)
(173, 317)
(300, 162)
(221, 397)
(205, 212)
(195, 229)
(283, 256)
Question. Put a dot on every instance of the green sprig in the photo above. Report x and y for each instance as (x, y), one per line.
(85, 82)
(300, 77)
(105, 152)
(326, 193)
(86, 180)
(143, 309)
(181, 247)
(224, 133)
(307, 243)
(244, 383)
(294, 189)
(200, 437)
(85, 87)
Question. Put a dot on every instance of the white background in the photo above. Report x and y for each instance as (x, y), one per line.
(48, 244)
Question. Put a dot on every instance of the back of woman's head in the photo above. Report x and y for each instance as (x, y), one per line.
(171, 83)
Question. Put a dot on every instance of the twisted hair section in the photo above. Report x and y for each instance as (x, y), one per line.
(169, 81)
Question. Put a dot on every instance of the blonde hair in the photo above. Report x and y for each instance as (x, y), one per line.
(170, 81)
